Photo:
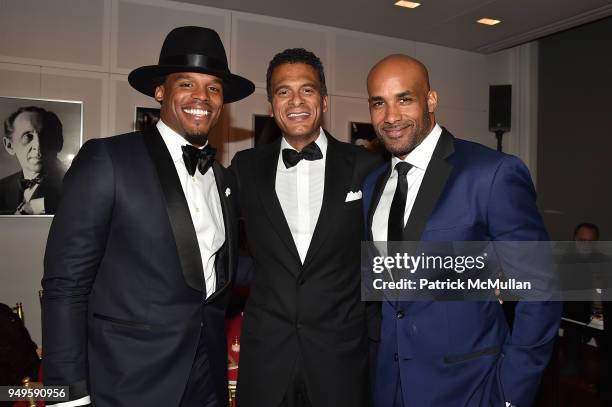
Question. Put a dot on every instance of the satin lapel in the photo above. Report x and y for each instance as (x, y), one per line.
(224, 276)
(265, 173)
(432, 185)
(178, 211)
(338, 178)
(378, 190)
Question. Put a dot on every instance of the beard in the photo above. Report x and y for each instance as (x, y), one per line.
(197, 139)
(421, 130)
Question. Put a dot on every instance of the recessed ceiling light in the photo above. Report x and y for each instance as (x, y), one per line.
(407, 4)
(488, 21)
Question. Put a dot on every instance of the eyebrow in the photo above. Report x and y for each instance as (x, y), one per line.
(304, 85)
(188, 78)
(397, 96)
(404, 94)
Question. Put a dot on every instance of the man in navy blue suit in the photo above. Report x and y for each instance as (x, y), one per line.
(440, 188)
(143, 247)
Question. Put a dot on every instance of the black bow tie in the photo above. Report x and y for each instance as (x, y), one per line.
(201, 159)
(29, 183)
(311, 152)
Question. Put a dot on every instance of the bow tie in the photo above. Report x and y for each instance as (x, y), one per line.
(201, 159)
(310, 153)
(29, 183)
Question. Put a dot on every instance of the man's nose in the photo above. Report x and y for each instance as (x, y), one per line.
(201, 93)
(296, 99)
(392, 114)
(35, 142)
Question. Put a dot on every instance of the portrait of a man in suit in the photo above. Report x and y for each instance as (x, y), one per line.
(304, 332)
(143, 246)
(440, 188)
(34, 136)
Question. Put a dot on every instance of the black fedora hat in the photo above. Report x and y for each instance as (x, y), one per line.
(192, 49)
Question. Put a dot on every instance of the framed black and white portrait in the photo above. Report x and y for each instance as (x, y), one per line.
(40, 138)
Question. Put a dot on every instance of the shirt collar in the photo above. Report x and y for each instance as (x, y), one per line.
(321, 141)
(174, 141)
(421, 155)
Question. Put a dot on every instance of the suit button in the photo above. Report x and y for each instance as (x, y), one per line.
(400, 314)
(395, 357)
(298, 326)
(300, 282)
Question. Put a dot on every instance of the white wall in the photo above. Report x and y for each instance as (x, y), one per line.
(83, 50)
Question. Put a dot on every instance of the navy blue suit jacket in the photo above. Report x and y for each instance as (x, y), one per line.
(123, 304)
(463, 353)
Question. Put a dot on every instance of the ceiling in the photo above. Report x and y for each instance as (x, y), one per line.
(451, 23)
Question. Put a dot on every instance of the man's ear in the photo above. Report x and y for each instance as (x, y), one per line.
(159, 93)
(8, 145)
(432, 101)
(324, 101)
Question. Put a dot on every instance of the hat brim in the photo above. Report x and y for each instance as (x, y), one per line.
(145, 79)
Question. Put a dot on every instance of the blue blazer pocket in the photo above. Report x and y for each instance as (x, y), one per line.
(490, 351)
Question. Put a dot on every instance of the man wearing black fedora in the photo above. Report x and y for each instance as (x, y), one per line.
(143, 246)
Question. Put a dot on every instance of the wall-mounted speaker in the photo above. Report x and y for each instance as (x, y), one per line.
(500, 111)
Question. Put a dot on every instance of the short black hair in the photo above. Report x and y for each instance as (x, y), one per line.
(52, 127)
(295, 56)
(587, 225)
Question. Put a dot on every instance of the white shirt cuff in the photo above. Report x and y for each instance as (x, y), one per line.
(83, 401)
(38, 206)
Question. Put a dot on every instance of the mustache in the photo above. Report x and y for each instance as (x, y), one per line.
(199, 105)
(396, 126)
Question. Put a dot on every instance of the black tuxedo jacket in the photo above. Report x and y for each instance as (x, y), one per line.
(315, 309)
(123, 286)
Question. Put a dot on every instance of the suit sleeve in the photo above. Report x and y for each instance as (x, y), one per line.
(373, 308)
(75, 248)
(234, 168)
(513, 216)
(245, 267)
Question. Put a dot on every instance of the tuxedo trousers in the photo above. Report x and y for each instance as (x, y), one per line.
(297, 393)
(200, 389)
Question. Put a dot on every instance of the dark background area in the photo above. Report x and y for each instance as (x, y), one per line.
(575, 129)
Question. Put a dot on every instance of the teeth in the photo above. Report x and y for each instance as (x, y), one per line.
(197, 112)
(297, 114)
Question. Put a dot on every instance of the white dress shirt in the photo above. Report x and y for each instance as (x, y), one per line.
(37, 204)
(204, 205)
(419, 159)
(300, 192)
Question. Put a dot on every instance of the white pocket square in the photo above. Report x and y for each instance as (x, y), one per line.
(353, 196)
(228, 192)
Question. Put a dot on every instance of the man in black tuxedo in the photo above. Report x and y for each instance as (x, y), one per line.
(304, 340)
(34, 136)
(143, 246)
